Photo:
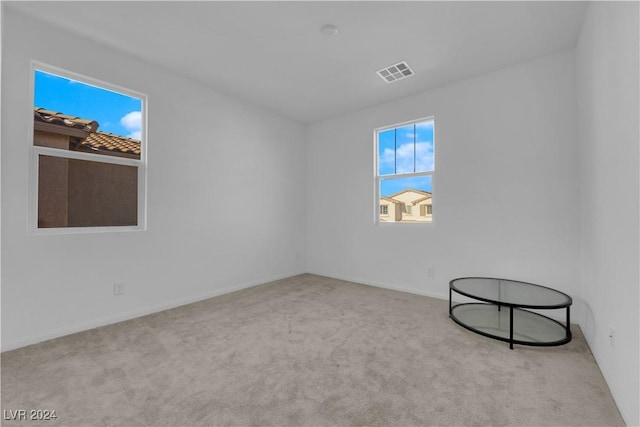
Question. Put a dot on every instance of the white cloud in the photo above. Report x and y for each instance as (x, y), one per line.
(386, 159)
(404, 157)
(137, 134)
(133, 123)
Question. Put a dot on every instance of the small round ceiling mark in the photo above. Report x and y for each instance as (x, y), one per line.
(329, 30)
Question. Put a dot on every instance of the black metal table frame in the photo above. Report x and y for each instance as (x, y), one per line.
(512, 306)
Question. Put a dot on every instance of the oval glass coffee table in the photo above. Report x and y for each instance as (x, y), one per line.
(505, 312)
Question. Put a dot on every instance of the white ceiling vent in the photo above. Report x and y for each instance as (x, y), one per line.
(395, 72)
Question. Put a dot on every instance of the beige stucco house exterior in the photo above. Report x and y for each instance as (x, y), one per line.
(406, 206)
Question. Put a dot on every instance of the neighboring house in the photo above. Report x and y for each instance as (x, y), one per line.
(408, 205)
(80, 193)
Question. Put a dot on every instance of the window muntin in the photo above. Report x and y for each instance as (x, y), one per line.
(88, 167)
(404, 171)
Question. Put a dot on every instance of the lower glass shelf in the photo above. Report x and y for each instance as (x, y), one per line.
(528, 328)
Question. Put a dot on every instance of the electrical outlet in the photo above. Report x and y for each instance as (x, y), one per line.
(118, 288)
(431, 271)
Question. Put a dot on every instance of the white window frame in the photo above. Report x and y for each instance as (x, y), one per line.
(377, 177)
(37, 151)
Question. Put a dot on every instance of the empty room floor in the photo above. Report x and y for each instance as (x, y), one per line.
(307, 350)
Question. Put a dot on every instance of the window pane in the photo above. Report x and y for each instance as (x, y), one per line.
(407, 199)
(72, 115)
(405, 149)
(424, 146)
(80, 193)
(386, 152)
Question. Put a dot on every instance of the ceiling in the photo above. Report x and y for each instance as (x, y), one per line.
(273, 54)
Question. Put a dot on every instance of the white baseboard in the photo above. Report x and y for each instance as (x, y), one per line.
(132, 314)
(119, 317)
(560, 316)
(437, 295)
(627, 414)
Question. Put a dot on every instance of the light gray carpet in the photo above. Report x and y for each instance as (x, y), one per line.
(305, 351)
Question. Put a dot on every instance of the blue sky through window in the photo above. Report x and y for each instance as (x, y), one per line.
(115, 112)
(389, 187)
(402, 150)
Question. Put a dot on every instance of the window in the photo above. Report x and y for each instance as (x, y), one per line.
(425, 210)
(384, 210)
(88, 155)
(404, 168)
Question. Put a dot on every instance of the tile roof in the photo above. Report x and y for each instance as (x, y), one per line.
(406, 190)
(388, 199)
(105, 141)
(48, 116)
(422, 199)
(95, 141)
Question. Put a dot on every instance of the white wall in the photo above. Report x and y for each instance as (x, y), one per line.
(209, 157)
(608, 73)
(505, 190)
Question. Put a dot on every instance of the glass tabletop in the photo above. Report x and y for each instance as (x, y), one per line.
(510, 292)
